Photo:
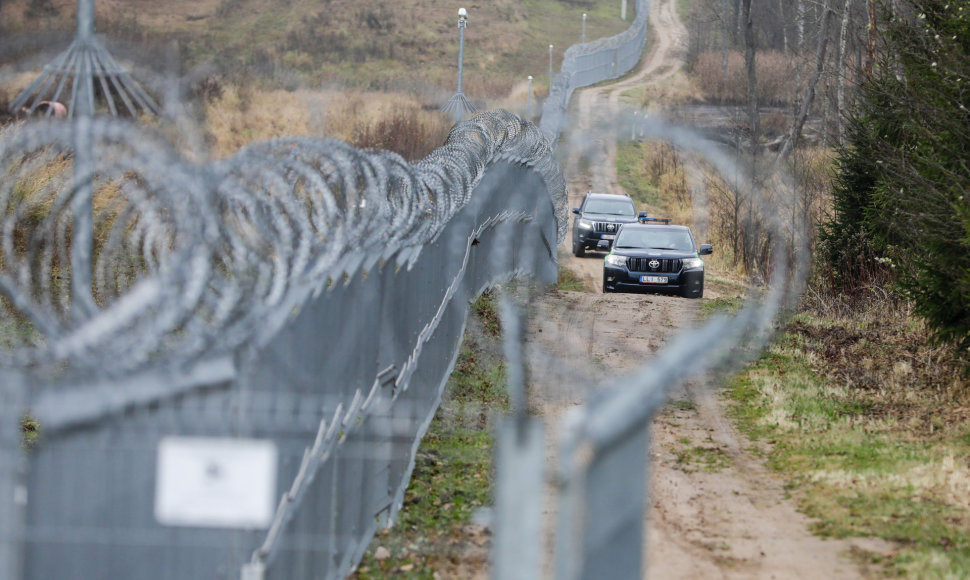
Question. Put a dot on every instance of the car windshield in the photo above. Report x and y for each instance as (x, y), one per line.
(611, 207)
(658, 239)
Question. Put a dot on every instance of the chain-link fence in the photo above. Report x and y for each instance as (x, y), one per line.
(593, 62)
(269, 340)
(601, 483)
(266, 339)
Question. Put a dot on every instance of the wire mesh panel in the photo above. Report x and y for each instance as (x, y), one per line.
(593, 62)
(266, 423)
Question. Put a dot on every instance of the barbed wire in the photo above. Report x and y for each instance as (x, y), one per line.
(194, 259)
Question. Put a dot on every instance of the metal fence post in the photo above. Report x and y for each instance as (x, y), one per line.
(12, 490)
(519, 463)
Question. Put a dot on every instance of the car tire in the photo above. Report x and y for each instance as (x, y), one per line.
(579, 250)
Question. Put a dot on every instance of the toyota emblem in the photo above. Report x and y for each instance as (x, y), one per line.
(610, 227)
(654, 264)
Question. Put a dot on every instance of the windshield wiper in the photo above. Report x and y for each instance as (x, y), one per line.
(627, 246)
(660, 248)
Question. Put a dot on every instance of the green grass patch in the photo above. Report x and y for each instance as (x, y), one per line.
(452, 475)
(705, 458)
(29, 432)
(634, 175)
(486, 309)
(723, 305)
(860, 460)
(569, 280)
(682, 405)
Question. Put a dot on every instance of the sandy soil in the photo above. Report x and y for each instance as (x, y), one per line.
(733, 519)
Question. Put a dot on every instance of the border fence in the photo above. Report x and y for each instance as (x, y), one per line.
(293, 311)
(267, 339)
(593, 62)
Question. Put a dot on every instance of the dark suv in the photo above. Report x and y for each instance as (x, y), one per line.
(599, 219)
(655, 257)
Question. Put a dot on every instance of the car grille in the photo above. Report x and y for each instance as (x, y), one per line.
(604, 227)
(667, 265)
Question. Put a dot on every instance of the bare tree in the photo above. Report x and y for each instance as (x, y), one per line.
(871, 44)
(799, 39)
(725, 34)
(784, 27)
(840, 67)
(809, 95)
(750, 54)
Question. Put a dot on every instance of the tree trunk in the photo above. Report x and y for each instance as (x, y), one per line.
(784, 26)
(739, 15)
(871, 44)
(799, 41)
(750, 54)
(796, 130)
(725, 34)
(840, 87)
(754, 124)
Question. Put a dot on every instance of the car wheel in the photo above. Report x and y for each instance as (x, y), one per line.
(579, 250)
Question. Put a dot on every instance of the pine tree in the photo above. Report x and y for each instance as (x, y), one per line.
(903, 182)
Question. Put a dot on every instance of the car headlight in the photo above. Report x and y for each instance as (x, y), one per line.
(614, 260)
(693, 263)
(585, 225)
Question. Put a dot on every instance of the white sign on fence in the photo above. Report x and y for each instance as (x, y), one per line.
(214, 482)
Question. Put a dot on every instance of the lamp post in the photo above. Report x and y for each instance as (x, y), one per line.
(528, 101)
(622, 9)
(550, 65)
(583, 37)
(458, 104)
(462, 23)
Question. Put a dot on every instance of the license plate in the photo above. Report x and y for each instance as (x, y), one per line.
(609, 236)
(653, 279)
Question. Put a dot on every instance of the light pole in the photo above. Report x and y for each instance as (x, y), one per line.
(550, 65)
(462, 23)
(622, 9)
(583, 37)
(528, 101)
(458, 104)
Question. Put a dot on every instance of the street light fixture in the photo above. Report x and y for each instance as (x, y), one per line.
(528, 102)
(458, 104)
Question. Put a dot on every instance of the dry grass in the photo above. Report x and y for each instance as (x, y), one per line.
(776, 83)
(871, 424)
(242, 115)
(399, 45)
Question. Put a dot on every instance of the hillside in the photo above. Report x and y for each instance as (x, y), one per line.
(406, 44)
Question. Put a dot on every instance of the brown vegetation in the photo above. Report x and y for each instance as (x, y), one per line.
(715, 84)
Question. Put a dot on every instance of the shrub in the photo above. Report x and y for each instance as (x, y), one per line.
(776, 84)
(903, 190)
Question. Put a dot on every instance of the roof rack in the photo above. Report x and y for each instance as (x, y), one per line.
(647, 220)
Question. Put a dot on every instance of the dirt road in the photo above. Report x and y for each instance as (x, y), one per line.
(717, 512)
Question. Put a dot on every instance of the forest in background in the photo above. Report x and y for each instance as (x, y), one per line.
(887, 80)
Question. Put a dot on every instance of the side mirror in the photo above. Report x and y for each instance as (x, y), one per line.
(576, 210)
(642, 217)
(706, 249)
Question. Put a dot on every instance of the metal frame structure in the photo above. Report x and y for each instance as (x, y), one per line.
(85, 69)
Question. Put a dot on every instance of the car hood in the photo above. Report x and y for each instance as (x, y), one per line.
(605, 217)
(650, 253)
